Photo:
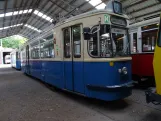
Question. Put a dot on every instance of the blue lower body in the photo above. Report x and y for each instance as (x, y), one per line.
(18, 65)
(93, 79)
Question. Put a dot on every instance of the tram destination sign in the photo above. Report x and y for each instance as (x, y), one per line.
(118, 21)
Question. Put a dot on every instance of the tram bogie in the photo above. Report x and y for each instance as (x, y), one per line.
(87, 54)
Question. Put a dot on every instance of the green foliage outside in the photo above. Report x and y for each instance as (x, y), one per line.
(13, 41)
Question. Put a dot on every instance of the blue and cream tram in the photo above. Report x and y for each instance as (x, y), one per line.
(16, 59)
(87, 54)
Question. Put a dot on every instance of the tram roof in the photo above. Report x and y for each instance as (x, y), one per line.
(29, 17)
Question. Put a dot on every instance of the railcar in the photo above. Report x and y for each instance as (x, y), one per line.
(87, 54)
(154, 94)
(16, 59)
(143, 38)
(7, 59)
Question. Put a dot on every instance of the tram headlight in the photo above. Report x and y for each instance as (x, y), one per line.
(124, 70)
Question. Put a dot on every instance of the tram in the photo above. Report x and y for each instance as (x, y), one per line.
(15, 59)
(88, 54)
(143, 38)
(7, 59)
(154, 94)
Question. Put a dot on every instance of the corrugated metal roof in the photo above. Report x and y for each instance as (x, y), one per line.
(28, 17)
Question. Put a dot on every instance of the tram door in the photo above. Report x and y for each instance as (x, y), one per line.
(27, 60)
(73, 59)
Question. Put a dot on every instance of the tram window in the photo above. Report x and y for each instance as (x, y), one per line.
(149, 40)
(35, 52)
(66, 34)
(103, 47)
(47, 47)
(76, 31)
(134, 42)
(47, 50)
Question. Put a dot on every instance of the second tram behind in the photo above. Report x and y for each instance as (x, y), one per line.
(15, 59)
(88, 54)
(143, 38)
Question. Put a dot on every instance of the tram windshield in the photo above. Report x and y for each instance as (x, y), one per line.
(109, 41)
(120, 41)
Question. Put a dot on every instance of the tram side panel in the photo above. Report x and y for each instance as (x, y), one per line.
(143, 38)
(53, 68)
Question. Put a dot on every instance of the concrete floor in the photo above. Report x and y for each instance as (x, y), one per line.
(26, 99)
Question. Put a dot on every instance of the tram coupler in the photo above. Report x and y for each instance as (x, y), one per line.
(152, 96)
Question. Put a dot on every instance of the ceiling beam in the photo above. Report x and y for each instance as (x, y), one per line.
(5, 7)
(135, 3)
(34, 5)
(14, 6)
(136, 17)
(52, 13)
(146, 7)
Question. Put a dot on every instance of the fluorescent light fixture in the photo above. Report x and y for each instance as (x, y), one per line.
(44, 16)
(1, 15)
(9, 14)
(7, 27)
(48, 18)
(51, 20)
(15, 13)
(40, 14)
(33, 28)
(25, 11)
(30, 10)
(36, 12)
(101, 6)
(21, 11)
(95, 2)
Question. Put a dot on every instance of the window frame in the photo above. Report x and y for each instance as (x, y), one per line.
(128, 37)
(150, 51)
(159, 35)
(97, 41)
(136, 41)
(32, 47)
(64, 46)
(72, 39)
